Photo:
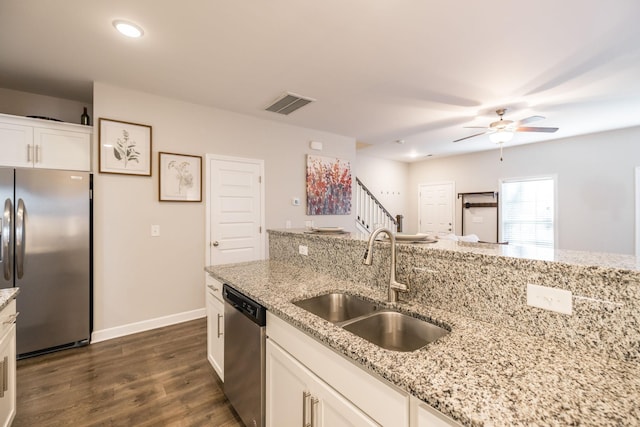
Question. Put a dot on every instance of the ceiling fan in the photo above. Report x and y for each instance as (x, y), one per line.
(502, 130)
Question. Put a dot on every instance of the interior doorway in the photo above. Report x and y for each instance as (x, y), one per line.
(436, 210)
(235, 229)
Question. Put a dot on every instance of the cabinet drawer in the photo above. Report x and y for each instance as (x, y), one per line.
(214, 287)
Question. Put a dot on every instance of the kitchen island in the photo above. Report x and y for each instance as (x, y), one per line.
(479, 374)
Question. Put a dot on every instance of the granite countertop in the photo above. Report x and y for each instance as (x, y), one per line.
(6, 295)
(599, 259)
(479, 374)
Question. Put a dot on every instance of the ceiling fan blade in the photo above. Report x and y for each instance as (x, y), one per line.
(530, 120)
(535, 129)
(470, 136)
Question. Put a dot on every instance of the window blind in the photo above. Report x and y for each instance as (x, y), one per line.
(528, 212)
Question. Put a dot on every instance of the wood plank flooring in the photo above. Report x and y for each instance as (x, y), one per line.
(156, 378)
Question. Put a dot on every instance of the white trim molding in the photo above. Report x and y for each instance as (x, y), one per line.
(146, 325)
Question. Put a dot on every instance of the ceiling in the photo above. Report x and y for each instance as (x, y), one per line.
(380, 70)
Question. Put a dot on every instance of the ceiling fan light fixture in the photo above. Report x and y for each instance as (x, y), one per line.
(501, 136)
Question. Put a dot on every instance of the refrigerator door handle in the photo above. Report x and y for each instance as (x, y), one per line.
(7, 230)
(20, 239)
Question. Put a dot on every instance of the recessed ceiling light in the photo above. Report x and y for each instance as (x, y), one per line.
(128, 29)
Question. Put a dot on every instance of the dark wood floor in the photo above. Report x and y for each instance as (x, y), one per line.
(156, 378)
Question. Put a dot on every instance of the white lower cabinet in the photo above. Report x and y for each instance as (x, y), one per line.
(308, 384)
(8, 364)
(346, 394)
(295, 396)
(215, 332)
(423, 415)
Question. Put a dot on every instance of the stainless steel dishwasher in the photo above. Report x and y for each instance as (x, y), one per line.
(244, 356)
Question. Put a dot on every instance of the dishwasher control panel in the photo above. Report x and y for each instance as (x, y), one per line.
(250, 308)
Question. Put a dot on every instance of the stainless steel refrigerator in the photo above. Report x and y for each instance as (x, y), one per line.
(46, 252)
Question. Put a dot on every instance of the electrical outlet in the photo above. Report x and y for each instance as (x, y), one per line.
(287, 224)
(155, 230)
(548, 298)
(303, 250)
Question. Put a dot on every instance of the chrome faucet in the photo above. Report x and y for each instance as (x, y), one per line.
(394, 286)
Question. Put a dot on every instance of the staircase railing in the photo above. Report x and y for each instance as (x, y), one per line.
(370, 213)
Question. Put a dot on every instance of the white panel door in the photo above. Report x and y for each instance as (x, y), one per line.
(436, 208)
(235, 210)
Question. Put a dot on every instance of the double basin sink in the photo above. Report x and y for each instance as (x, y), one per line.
(383, 327)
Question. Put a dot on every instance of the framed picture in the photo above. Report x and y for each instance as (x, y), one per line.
(125, 148)
(328, 186)
(180, 177)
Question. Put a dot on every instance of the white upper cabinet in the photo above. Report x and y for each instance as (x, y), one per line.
(16, 142)
(36, 143)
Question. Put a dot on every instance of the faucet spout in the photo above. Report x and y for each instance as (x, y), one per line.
(394, 285)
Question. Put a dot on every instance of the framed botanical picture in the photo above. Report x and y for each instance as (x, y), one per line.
(180, 177)
(125, 148)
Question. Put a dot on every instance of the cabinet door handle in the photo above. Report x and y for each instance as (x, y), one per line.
(305, 404)
(314, 411)
(5, 374)
(28, 152)
(2, 376)
(220, 316)
(11, 319)
(37, 156)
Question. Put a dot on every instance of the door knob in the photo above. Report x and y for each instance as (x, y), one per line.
(215, 243)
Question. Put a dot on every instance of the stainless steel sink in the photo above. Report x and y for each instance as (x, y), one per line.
(395, 331)
(337, 307)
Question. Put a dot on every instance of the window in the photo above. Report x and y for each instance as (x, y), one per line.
(527, 211)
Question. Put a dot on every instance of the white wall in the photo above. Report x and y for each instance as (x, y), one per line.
(139, 277)
(30, 104)
(142, 281)
(387, 180)
(595, 184)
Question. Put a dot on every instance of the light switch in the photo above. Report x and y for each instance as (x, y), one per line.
(155, 230)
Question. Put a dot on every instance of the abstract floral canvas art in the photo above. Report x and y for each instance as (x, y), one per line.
(328, 186)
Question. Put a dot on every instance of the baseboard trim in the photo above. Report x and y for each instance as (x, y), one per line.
(146, 325)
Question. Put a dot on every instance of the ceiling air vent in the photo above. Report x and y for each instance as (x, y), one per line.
(288, 103)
